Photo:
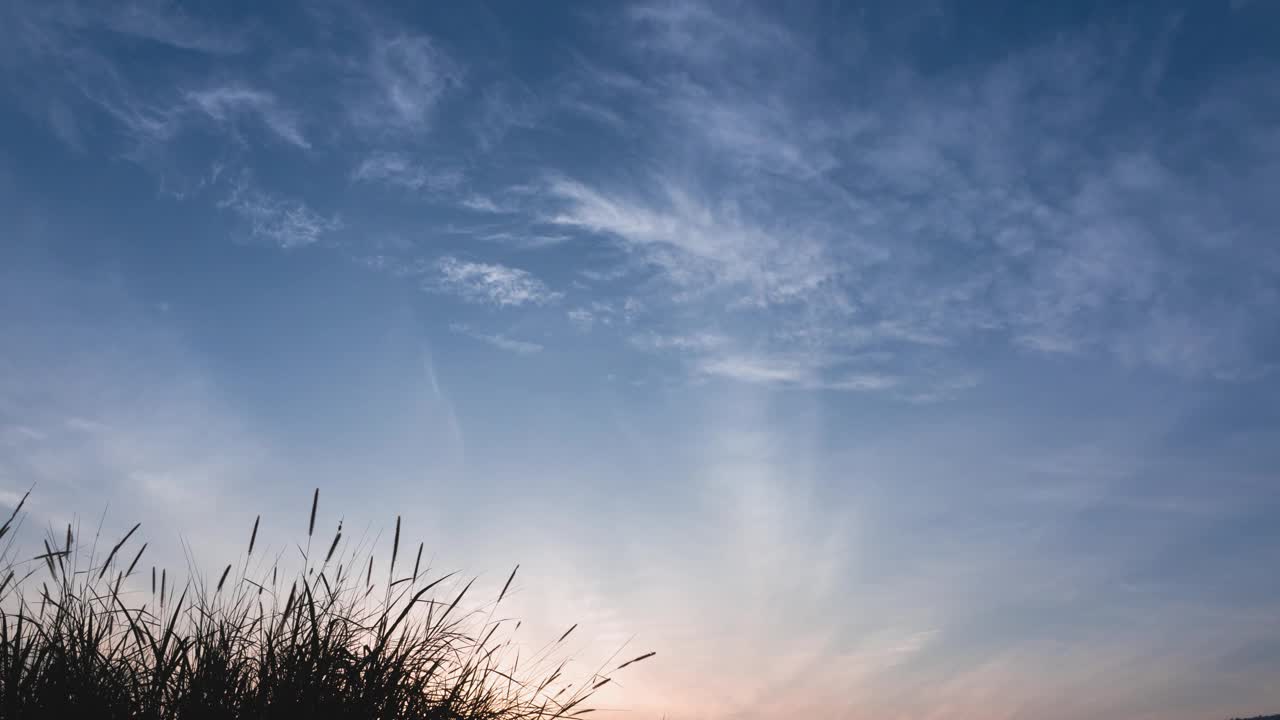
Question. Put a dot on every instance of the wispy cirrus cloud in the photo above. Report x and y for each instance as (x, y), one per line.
(66, 45)
(483, 204)
(929, 211)
(797, 370)
(49, 25)
(705, 35)
(902, 207)
(718, 355)
(581, 318)
(700, 246)
(762, 135)
(225, 104)
(164, 23)
(787, 371)
(398, 169)
(282, 222)
(498, 340)
(701, 341)
(408, 74)
(505, 107)
(489, 283)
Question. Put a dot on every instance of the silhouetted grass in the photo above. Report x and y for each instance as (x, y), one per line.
(328, 642)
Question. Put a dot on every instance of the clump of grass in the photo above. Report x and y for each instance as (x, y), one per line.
(75, 641)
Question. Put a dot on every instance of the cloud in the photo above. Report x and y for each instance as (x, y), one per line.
(700, 35)
(492, 284)
(166, 24)
(225, 104)
(408, 75)
(282, 222)
(153, 21)
(582, 318)
(395, 168)
(862, 382)
(698, 246)
(760, 135)
(713, 354)
(804, 371)
(756, 369)
(150, 124)
(875, 206)
(608, 313)
(62, 54)
(498, 340)
(936, 210)
(700, 341)
(483, 204)
(1048, 343)
(503, 108)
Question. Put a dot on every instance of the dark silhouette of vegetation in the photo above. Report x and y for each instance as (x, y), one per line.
(327, 642)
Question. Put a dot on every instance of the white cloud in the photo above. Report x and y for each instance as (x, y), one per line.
(408, 75)
(859, 382)
(501, 203)
(393, 168)
(282, 222)
(1048, 343)
(498, 340)
(524, 239)
(701, 34)
(482, 203)
(492, 284)
(698, 246)
(758, 369)
(750, 132)
(154, 21)
(798, 370)
(503, 108)
(150, 124)
(224, 104)
(582, 319)
(933, 210)
(699, 341)
(167, 24)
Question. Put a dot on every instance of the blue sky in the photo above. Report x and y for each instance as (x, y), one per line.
(896, 360)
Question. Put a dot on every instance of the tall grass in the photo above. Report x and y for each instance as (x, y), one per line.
(89, 636)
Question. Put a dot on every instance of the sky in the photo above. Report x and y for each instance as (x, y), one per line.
(894, 360)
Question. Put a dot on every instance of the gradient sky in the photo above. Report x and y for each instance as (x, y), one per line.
(892, 360)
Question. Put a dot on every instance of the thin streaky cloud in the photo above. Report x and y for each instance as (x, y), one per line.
(283, 222)
(399, 170)
(498, 340)
(699, 246)
(489, 283)
(407, 75)
(224, 104)
(505, 108)
(169, 25)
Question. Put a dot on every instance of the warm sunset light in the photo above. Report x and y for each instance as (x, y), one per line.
(701, 360)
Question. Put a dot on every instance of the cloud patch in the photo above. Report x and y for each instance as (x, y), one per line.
(490, 283)
(408, 75)
(285, 223)
(698, 245)
(226, 104)
(398, 170)
(498, 340)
